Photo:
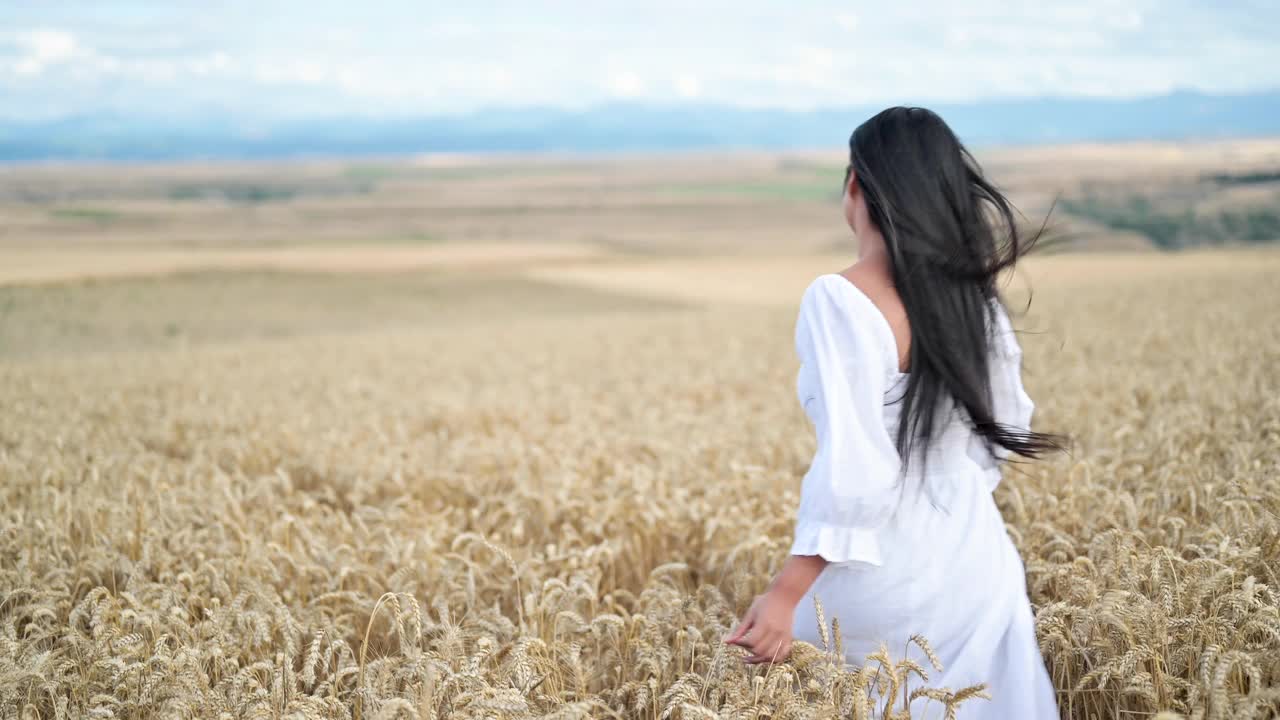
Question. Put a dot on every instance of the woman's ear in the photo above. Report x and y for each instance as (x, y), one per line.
(850, 181)
(849, 199)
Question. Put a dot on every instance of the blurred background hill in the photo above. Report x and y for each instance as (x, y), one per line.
(626, 126)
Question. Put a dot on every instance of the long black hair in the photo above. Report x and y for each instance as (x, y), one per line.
(949, 232)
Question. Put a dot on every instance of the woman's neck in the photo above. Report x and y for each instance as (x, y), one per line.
(871, 247)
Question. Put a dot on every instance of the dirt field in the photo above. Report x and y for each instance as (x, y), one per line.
(59, 222)
(42, 266)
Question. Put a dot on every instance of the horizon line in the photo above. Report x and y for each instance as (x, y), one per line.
(669, 105)
(498, 156)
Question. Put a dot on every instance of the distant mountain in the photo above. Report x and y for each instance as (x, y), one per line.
(629, 127)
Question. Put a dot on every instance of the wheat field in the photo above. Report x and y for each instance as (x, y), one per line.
(533, 494)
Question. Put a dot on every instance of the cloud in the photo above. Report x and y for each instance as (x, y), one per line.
(215, 62)
(45, 47)
(49, 45)
(626, 85)
(403, 57)
(687, 86)
(1127, 19)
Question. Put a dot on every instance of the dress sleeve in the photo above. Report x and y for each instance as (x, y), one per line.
(1010, 403)
(851, 488)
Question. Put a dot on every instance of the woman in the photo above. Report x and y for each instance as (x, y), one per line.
(910, 374)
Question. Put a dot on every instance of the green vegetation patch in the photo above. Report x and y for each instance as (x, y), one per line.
(1258, 177)
(1172, 229)
(85, 214)
(256, 193)
(246, 193)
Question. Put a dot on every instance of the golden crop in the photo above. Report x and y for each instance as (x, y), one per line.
(559, 511)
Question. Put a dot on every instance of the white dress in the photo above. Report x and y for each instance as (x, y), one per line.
(924, 554)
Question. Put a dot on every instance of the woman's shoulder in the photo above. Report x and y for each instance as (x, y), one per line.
(831, 295)
(848, 316)
(842, 289)
(824, 290)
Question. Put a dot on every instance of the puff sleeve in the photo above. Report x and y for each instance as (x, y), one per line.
(851, 487)
(1010, 403)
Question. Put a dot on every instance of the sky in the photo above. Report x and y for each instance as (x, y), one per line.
(278, 58)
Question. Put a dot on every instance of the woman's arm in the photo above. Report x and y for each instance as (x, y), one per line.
(766, 628)
(849, 491)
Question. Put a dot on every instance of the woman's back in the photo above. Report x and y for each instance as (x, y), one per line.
(955, 444)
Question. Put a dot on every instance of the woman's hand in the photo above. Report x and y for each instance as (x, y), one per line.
(766, 628)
